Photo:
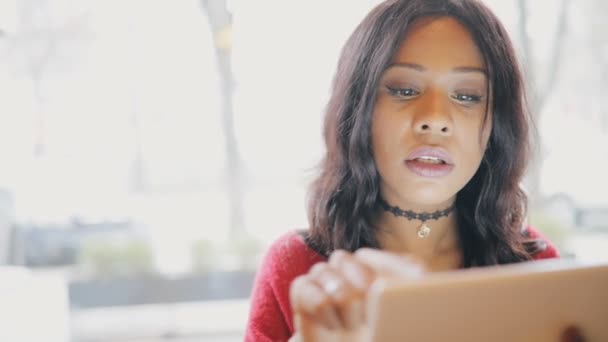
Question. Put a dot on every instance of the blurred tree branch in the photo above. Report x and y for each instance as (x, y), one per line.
(537, 89)
(38, 44)
(597, 11)
(540, 90)
(220, 22)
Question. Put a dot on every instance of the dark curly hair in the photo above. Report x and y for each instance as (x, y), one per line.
(343, 200)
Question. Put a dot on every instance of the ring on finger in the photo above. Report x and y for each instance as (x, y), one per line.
(332, 286)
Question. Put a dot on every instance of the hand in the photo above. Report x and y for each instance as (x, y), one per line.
(332, 295)
(295, 338)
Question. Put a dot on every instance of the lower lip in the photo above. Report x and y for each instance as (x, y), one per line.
(427, 169)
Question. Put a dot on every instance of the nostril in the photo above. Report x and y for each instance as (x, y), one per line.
(444, 130)
(425, 127)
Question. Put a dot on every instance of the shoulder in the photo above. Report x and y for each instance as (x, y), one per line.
(548, 249)
(290, 256)
(270, 317)
(287, 258)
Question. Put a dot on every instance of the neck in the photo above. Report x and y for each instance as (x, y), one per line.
(399, 234)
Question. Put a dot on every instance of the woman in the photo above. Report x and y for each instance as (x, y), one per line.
(427, 142)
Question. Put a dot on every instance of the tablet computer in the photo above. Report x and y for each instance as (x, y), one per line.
(527, 302)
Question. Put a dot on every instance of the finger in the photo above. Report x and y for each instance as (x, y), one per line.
(347, 297)
(360, 278)
(353, 313)
(331, 280)
(309, 299)
(358, 274)
(322, 275)
(344, 299)
(340, 292)
(318, 268)
(308, 330)
(388, 264)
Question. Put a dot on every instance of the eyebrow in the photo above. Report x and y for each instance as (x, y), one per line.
(418, 67)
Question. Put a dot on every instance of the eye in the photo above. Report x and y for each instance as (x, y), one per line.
(467, 98)
(403, 92)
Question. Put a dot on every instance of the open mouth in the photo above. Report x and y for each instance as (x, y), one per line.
(427, 166)
(430, 160)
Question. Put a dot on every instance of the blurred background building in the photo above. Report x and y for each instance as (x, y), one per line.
(150, 150)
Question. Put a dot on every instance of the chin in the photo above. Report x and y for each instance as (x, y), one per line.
(428, 196)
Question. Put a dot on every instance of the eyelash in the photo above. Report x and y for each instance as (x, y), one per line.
(400, 92)
(408, 93)
(469, 98)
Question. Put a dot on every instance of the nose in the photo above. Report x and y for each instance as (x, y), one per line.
(433, 116)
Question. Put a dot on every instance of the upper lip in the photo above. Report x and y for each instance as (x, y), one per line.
(431, 151)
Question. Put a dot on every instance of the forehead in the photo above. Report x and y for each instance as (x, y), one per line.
(439, 43)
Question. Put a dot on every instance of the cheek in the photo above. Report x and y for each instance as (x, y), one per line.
(478, 145)
(387, 136)
(487, 132)
(477, 149)
(378, 133)
(379, 143)
(474, 147)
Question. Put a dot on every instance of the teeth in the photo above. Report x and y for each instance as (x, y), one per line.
(430, 160)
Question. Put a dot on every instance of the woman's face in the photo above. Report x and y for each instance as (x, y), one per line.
(429, 126)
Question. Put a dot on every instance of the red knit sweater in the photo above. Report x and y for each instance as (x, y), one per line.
(270, 317)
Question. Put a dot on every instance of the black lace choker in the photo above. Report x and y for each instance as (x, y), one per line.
(424, 230)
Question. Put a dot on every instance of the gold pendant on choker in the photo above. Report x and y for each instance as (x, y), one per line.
(424, 231)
